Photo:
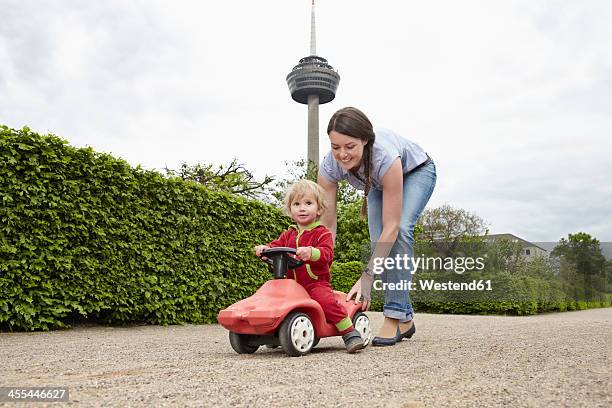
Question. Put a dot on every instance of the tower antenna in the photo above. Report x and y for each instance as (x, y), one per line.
(313, 81)
(313, 34)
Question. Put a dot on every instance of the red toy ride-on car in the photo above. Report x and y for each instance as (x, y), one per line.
(281, 313)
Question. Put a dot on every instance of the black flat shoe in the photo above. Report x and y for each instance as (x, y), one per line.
(407, 334)
(384, 341)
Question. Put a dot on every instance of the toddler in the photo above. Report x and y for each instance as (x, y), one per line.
(305, 202)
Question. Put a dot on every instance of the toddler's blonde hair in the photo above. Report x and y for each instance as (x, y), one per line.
(299, 188)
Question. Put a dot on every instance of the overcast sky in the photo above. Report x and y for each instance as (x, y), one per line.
(512, 99)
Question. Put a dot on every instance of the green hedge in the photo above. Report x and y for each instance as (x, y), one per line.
(513, 294)
(84, 235)
(343, 277)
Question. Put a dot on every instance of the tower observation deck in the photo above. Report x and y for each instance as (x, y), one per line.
(313, 76)
(313, 81)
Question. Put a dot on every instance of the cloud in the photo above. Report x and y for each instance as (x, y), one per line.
(510, 98)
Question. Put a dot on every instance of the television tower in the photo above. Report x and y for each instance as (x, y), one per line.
(313, 81)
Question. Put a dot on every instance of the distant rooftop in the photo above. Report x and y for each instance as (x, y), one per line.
(513, 238)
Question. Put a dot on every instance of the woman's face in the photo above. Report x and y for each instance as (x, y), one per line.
(347, 150)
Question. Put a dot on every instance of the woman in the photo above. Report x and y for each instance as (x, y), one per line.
(397, 178)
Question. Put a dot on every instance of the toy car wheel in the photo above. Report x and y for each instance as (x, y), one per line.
(361, 323)
(240, 343)
(315, 342)
(297, 334)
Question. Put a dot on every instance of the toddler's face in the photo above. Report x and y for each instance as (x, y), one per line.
(304, 210)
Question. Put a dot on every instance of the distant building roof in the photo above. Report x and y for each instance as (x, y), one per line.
(513, 238)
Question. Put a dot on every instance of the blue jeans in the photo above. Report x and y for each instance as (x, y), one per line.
(418, 186)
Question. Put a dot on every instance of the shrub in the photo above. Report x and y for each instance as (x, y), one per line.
(84, 235)
(512, 293)
(345, 274)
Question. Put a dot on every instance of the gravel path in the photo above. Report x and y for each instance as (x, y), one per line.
(556, 360)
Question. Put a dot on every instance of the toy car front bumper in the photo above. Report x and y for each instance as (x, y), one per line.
(248, 321)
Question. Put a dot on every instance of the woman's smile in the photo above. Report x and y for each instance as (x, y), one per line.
(347, 150)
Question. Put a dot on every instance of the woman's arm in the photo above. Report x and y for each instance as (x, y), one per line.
(329, 216)
(393, 186)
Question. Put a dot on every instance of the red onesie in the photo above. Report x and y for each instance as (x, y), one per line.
(314, 274)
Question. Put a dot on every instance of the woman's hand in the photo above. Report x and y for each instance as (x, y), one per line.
(363, 287)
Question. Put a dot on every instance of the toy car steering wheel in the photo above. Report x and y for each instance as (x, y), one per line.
(280, 260)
